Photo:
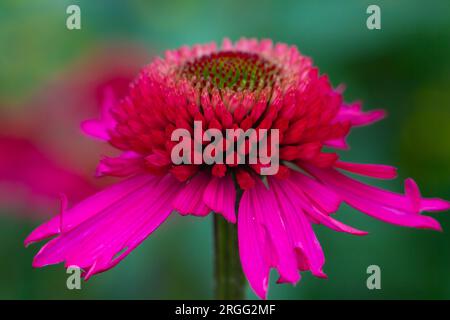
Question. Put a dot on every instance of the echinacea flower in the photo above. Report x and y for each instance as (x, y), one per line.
(248, 84)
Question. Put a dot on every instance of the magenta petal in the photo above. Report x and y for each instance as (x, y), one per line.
(127, 164)
(190, 199)
(251, 249)
(338, 143)
(294, 189)
(370, 170)
(322, 196)
(88, 208)
(357, 117)
(413, 193)
(383, 205)
(434, 204)
(354, 115)
(104, 239)
(263, 240)
(422, 204)
(220, 196)
(95, 129)
(99, 128)
(299, 229)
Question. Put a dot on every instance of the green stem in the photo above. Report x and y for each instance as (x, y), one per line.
(229, 279)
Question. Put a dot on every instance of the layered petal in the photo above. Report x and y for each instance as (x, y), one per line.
(384, 205)
(88, 208)
(127, 164)
(220, 196)
(357, 117)
(318, 194)
(263, 240)
(190, 199)
(378, 171)
(353, 114)
(294, 189)
(113, 228)
(99, 128)
(303, 240)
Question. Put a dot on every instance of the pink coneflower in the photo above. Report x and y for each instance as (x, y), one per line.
(248, 84)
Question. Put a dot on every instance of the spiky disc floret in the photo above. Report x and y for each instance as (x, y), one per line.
(231, 69)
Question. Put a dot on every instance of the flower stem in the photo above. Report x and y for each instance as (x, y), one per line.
(229, 279)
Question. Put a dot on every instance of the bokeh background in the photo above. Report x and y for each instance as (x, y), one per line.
(52, 78)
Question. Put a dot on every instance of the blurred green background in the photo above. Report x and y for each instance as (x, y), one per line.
(403, 68)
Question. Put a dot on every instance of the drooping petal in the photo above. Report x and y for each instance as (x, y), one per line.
(321, 196)
(370, 170)
(220, 196)
(263, 240)
(299, 229)
(99, 128)
(88, 208)
(104, 239)
(127, 164)
(353, 115)
(251, 249)
(383, 205)
(423, 204)
(190, 199)
(295, 190)
(357, 117)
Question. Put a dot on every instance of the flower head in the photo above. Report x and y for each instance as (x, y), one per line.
(246, 85)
